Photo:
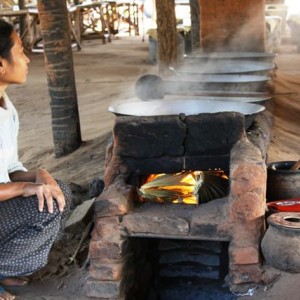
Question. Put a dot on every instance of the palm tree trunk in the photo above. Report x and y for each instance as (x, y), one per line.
(166, 35)
(21, 4)
(195, 30)
(60, 74)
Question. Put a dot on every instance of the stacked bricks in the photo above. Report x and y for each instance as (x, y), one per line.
(113, 271)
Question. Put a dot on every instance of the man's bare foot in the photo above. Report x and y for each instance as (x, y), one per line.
(14, 281)
(6, 296)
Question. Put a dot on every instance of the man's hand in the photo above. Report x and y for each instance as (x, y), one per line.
(39, 183)
(48, 190)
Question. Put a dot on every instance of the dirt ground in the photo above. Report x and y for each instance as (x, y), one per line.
(105, 74)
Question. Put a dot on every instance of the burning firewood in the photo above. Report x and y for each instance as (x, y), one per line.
(184, 187)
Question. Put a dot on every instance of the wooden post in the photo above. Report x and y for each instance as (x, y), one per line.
(166, 35)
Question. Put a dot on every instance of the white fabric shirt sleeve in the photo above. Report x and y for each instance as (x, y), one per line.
(9, 128)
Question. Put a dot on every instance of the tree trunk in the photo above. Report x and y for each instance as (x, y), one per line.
(21, 4)
(166, 34)
(195, 22)
(60, 74)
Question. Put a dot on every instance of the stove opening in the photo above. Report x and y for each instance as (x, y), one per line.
(164, 269)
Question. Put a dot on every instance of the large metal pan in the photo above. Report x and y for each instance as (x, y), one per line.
(261, 100)
(257, 56)
(151, 86)
(225, 67)
(187, 107)
(222, 82)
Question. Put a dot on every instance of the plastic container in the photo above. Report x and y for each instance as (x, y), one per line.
(289, 205)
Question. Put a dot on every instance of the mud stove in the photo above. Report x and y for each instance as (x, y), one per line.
(163, 251)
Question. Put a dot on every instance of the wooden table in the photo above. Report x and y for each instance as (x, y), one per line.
(14, 17)
(31, 35)
(34, 31)
(104, 17)
(93, 20)
(128, 12)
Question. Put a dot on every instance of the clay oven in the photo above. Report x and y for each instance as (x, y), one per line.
(130, 239)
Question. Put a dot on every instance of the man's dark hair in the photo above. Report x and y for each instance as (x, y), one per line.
(6, 42)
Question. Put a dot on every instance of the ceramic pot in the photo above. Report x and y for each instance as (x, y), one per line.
(282, 183)
(281, 242)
